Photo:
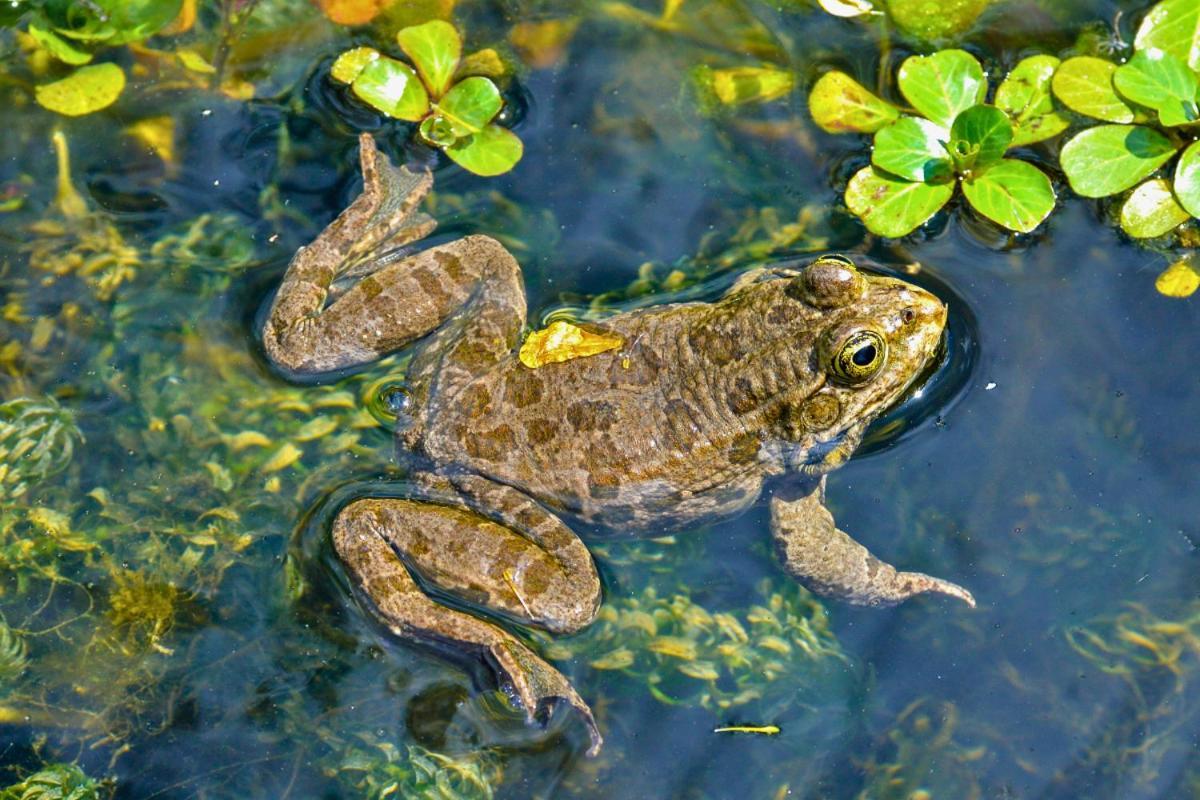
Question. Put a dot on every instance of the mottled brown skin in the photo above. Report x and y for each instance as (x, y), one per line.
(684, 422)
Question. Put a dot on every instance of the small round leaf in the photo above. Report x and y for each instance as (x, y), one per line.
(1174, 26)
(913, 149)
(935, 20)
(1025, 97)
(1156, 79)
(1111, 158)
(1178, 280)
(435, 49)
(391, 86)
(470, 105)
(943, 85)
(987, 129)
(1085, 85)
(492, 151)
(892, 207)
(85, 90)
(839, 104)
(1011, 193)
(1187, 179)
(1151, 210)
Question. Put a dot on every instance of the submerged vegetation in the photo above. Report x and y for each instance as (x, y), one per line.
(160, 487)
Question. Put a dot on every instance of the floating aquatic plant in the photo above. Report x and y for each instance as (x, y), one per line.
(919, 18)
(1151, 109)
(57, 782)
(455, 109)
(376, 768)
(37, 441)
(685, 653)
(952, 138)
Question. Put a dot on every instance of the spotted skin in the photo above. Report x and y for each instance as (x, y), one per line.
(700, 405)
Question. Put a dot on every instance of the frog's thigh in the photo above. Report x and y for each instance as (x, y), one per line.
(483, 562)
(831, 563)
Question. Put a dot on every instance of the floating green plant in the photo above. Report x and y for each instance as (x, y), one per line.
(1151, 109)
(953, 138)
(454, 109)
(919, 18)
(37, 441)
(57, 782)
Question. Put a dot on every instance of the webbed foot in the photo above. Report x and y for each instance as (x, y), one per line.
(537, 684)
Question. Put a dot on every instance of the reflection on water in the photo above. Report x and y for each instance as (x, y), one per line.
(171, 619)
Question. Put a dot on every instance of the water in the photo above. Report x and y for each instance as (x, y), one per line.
(185, 633)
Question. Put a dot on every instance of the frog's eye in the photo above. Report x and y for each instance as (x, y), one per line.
(858, 357)
(387, 400)
(830, 282)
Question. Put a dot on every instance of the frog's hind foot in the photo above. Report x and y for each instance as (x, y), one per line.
(536, 684)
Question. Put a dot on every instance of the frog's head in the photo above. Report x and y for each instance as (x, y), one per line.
(875, 337)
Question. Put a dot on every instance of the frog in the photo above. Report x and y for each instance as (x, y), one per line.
(686, 414)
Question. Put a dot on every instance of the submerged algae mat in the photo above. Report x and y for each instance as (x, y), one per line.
(172, 625)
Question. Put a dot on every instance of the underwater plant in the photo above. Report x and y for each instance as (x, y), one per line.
(376, 768)
(37, 440)
(1150, 107)
(57, 782)
(951, 137)
(455, 106)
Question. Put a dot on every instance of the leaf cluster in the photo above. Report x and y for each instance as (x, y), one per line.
(951, 137)
(1151, 109)
(57, 782)
(454, 108)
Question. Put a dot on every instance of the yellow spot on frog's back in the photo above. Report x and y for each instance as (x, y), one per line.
(562, 341)
(1179, 280)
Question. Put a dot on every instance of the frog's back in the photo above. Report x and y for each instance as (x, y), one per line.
(674, 420)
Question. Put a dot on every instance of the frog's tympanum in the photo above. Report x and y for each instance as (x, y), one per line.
(678, 417)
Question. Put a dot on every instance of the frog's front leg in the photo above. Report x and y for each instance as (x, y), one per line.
(531, 568)
(832, 564)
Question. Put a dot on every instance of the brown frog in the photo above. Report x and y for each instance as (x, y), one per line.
(679, 421)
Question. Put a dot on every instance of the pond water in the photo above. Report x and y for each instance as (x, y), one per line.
(172, 619)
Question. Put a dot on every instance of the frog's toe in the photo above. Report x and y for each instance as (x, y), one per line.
(537, 685)
(915, 583)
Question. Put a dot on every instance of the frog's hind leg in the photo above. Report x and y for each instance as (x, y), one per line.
(828, 561)
(387, 542)
(402, 296)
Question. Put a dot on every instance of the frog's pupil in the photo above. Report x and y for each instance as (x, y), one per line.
(864, 356)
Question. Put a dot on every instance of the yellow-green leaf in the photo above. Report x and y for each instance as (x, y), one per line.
(840, 104)
(84, 91)
(351, 63)
(562, 341)
(435, 49)
(1179, 280)
(1152, 210)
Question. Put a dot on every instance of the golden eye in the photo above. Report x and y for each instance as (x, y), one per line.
(859, 357)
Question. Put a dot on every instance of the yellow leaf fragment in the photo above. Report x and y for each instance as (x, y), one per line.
(67, 197)
(700, 670)
(617, 659)
(1178, 280)
(158, 134)
(244, 439)
(562, 341)
(674, 646)
(762, 730)
(351, 12)
(315, 428)
(85, 90)
(195, 62)
(541, 44)
(283, 458)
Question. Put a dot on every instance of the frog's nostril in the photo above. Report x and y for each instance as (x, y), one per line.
(908, 315)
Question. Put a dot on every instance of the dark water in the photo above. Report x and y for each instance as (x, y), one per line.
(184, 633)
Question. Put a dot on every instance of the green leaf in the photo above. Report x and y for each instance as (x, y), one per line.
(1025, 97)
(110, 21)
(85, 90)
(913, 149)
(492, 151)
(943, 85)
(1111, 158)
(1187, 179)
(1158, 80)
(735, 86)
(470, 105)
(435, 49)
(892, 207)
(57, 46)
(392, 87)
(1011, 193)
(1173, 26)
(935, 20)
(1152, 210)
(839, 104)
(350, 64)
(1085, 85)
(986, 130)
